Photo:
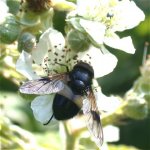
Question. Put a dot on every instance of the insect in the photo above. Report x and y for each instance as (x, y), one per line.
(68, 86)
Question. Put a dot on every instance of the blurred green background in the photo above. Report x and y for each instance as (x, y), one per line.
(17, 110)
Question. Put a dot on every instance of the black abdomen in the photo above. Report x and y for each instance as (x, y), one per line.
(63, 108)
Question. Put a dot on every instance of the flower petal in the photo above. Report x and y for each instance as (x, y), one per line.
(42, 107)
(115, 133)
(4, 11)
(84, 8)
(96, 30)
(105, 103)
(102, 62)
(122, 18)
(24, 66)
(125, 19)
(50, 40)
(124, 44)
(108, 104)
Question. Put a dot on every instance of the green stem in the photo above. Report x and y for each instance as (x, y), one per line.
(70, 140)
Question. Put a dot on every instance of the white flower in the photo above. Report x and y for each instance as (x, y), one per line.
(114, 14)
(100, 19)
(124, 43)
(41, 105)
(49, 52)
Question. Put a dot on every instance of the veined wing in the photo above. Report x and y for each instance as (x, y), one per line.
(45, 85)
(92, 116)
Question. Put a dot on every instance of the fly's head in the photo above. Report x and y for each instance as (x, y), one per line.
(81, 78)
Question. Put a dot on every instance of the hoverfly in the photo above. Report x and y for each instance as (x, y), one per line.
(67, 85)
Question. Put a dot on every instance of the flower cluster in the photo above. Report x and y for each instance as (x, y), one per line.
(48, 54)
(98, 20)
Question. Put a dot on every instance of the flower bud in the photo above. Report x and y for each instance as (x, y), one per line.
(26, 42)
(136, 108)
(9, 30)
(77, 41)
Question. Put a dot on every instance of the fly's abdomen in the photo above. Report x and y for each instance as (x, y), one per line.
(63, 108)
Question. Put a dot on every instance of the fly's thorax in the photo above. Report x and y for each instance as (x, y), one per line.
(85, 66)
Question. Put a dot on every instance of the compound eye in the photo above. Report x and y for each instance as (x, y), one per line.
(79, 83)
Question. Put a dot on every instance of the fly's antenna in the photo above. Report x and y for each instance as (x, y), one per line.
(49, 120)
(145, 52)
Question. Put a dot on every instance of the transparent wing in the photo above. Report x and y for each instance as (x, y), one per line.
(45, 85)
(92, 116)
